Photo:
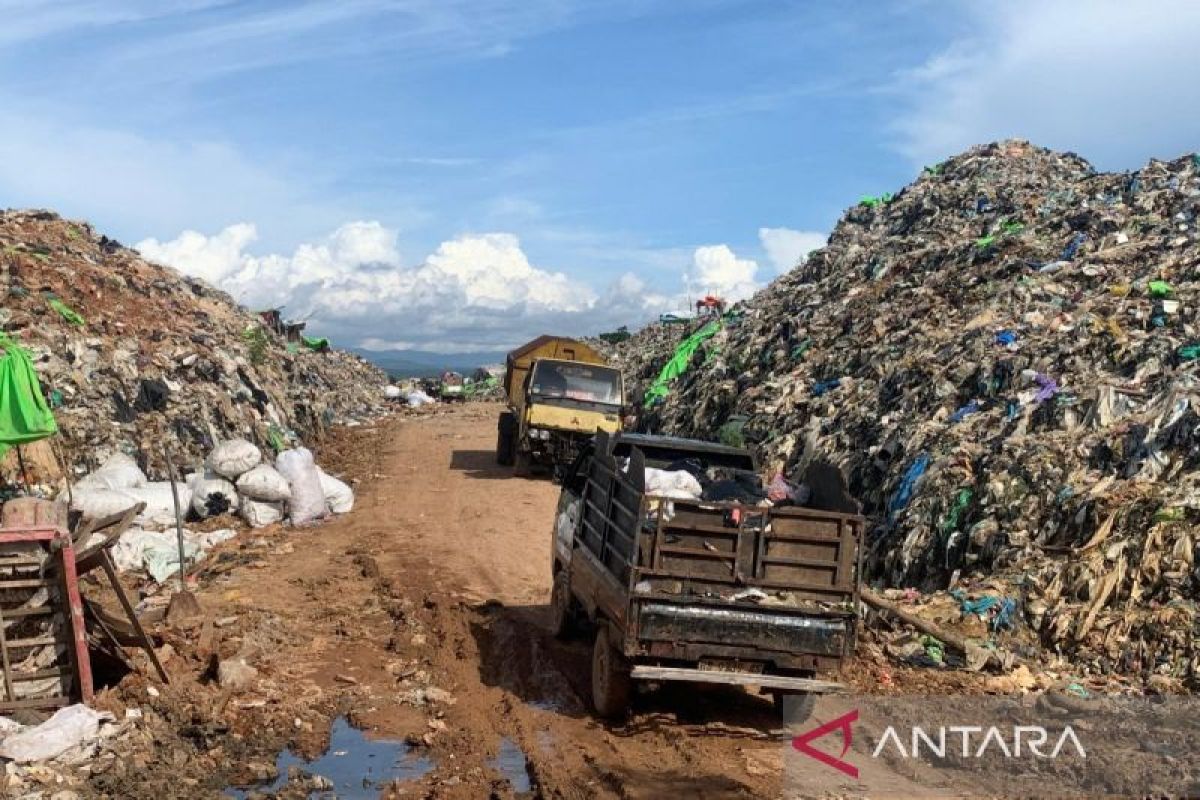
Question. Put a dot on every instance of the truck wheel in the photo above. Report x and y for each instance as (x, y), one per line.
(794, 707)
(563, 620)
(505, 438)
(611, 684)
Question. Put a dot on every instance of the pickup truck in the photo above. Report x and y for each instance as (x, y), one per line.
(693, 590)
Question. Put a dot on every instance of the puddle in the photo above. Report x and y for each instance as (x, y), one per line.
(357, 766)
(513, 765)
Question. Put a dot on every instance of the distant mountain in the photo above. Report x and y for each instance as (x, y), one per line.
(421, 363)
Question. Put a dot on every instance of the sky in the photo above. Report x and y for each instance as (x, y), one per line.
(460, 175)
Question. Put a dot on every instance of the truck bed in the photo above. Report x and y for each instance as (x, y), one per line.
(718, 583)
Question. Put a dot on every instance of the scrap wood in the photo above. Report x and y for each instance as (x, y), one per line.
(998, 659)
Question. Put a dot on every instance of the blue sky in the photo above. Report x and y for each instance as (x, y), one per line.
(457, 174)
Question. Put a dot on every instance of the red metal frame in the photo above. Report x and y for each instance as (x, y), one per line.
(61, 544)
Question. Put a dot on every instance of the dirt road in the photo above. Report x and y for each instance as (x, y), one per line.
(422, 616)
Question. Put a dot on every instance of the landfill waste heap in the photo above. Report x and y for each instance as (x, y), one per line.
(134, 356)
(1002, 358)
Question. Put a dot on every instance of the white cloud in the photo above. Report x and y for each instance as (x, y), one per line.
(786, 248)
(1112, 80)
(717, 270)
(474, 292)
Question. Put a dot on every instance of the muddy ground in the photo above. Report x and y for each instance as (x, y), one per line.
(421, 616)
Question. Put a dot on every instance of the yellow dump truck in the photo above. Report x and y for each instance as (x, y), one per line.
(560, 392)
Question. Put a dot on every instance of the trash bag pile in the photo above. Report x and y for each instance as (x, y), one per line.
(1002, 359)
(132, 355)
(235, 479)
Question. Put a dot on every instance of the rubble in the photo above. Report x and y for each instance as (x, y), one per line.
(134, 356)
(1001, 357)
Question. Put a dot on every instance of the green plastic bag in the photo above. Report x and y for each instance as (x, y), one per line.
(68, 313)
(1159, 288)
(679, 362)
(314, 343)
(25, 416)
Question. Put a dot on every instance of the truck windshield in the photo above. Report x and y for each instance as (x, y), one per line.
(586, 382)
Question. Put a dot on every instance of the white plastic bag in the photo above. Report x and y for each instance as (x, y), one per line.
(264, 483)
(69, 727)
(230, 459)
(418, 398)
(391, 392)
(679, 484)
(94, 503)
(259, 513)
(118, 472)
(308, 499)
(160, 507)
(338, 495)
(212, 496)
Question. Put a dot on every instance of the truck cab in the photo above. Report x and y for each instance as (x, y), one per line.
(560, 393)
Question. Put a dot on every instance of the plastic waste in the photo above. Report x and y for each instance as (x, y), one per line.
(68, 728)
(308, 498)
(212, 495)
(338, 495)
(231, 458)
(264, 483)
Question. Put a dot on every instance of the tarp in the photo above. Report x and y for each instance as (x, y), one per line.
(25, 416)
(678, 363)
(314, 343)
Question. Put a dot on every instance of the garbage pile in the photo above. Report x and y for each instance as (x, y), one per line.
(235, 479)
(1002, 358)
(134, 356)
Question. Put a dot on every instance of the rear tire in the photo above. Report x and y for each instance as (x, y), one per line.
(506, 438)
(611, 684)
(564, 621)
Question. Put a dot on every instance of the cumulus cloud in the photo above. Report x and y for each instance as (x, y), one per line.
(474, 292)
(1110, 79)
(787, 248)
(715, 269)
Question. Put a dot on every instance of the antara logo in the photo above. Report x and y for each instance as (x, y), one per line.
(1019, 741)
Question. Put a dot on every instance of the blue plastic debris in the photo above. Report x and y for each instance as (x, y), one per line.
(822, 387)
(1049, 387)
(1006, 337)
(967, 410)
(1072, 247)
(904, 491)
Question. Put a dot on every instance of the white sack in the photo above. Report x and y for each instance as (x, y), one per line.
(160, 508)
(158, 551)
(118, 472)
(264, 483)
(679, 484)
(69, 727)
(419, 398)
(95, 503)
(391, 392)
(259, 514)
(230, 459)
(338, 496)
(308, 499)
(212, 496)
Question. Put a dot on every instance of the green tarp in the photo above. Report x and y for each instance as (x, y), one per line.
(679, 362)
(24, 414)
(314, 343)
(68, 313)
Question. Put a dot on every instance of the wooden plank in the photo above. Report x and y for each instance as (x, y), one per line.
(55, 701)
(37, 641)
(648, 673)
(801, 562)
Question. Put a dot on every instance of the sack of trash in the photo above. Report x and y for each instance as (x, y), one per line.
(264, 483)
(418, 398)
(118, 472)
(677, 485)
(308, 498)
(160, 505)
(260, 513)
(338, 495)
(213, 495)
(68, 728)
(93, 503)
(231, 458)
(392, 392)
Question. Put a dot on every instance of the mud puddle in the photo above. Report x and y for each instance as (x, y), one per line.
(513, 765)
(357, 767)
